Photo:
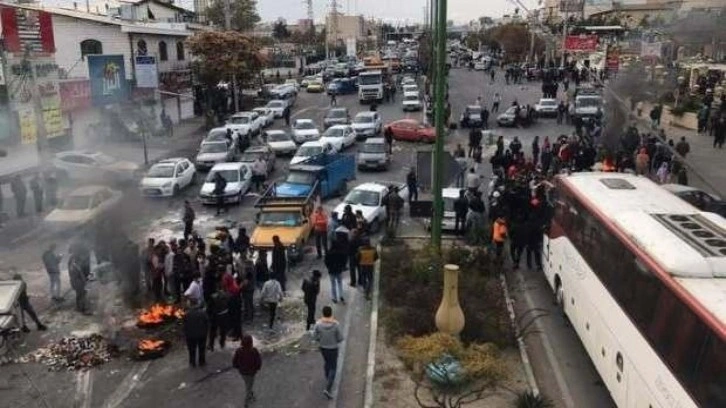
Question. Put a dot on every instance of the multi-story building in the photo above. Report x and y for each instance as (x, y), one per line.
(340, 27)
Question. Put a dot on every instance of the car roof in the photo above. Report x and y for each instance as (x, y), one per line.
(277, 100)
(241, 114)
(86, 190)
(366, 113)
(375, 140)
(377, 187)
(260, 108)
(338, 109)
(475, 107)
(276, 132)
(313, 143)
(548, 100)
(339, 127)
(79, 152)
(411, 93)
(171, 161)
(450, 192)
(228, 166)
(414, 121)
(304, 120)
(219, 141)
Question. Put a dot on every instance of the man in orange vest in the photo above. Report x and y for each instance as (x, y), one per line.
(320, 230)
(499, 235)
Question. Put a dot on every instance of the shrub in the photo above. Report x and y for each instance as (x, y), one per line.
(528, 399)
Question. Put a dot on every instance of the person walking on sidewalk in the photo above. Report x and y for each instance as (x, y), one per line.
(279, 262)
(286, 115)
(412, 184)
(328, 335)
(311, 290)
(495, 104)
(248, 362)
(220, 185)
(218, 311)
(196, 326)
(682, 147)
(367, 257)
(271, 295)
(20, 193)
(335, 261)
(37, 190)
(320, 230)
(188, 217)
(51, 260)
(26, 307)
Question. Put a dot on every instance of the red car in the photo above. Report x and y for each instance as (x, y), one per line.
(412, 130)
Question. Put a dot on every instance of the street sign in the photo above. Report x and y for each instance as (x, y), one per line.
(147, 75)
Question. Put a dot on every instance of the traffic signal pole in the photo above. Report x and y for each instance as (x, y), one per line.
(439, 118)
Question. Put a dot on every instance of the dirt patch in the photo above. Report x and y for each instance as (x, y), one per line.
(393, 386)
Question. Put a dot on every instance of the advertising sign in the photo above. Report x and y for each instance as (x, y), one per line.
(612, 61)
(75, 95)
(27, 30)
(108, 78)
(581, 43)
(147, 74)
(651, 50)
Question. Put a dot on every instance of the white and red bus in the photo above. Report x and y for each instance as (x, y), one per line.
(641, 274)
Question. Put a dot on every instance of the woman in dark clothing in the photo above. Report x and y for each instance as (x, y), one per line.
(279, 261)
(262, 271)
(243, 241)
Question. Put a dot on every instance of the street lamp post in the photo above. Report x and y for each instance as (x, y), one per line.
(439, 117)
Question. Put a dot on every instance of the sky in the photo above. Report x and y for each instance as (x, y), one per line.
(460, 11)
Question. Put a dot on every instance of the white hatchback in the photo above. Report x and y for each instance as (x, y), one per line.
(304, 130)
(167, 177)
(238, 177)
(339, 137)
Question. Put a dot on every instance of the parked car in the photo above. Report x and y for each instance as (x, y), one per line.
(281, 143)
(412, 130)
(373, 154)
(238, 177)
(168, 177)
(698, 198)
(316, 86)
(307, 80)
(211, 153)
(277, 106)
(508, 117)
(409, 88)
(304, 130)
(368, 198)
(367, 124)
(546, 107)
(411, 102)
(245, 123)
(267, 115)
(336, 116)
(261, 152)
(339, 137)
(220, 135)
(471, 117)
(310, 149)
(88, 166)
(81, 207)
(408, 80)
(294, 83)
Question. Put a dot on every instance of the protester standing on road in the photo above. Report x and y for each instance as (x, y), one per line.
(51, 184)
(311, 290)
(394, 204)
(220, 185)
(333, 99)
(499, 236)
(286, 115)
(412, 184)
(335, 261)
(37, 190)
(259, 173)
(233, 291)
(682, 147)
(279, 261)
(248, 362)
(367, 257)
(196, 326)
(51, 260)
(26, 307)
(78, 281)
(218, 311)
(495, 104)
(473, 181)
(270, 296)
(535, 151)
(247, 285)
(328, 335)
(461, 208)
(20, 193)
(388, 136)
(188, 218)
(320, 230)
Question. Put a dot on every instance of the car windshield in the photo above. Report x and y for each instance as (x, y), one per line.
(587, 102)
(306, 151)
(547, 103)
(239, 120)
(304, 125)
(369, 79)
(278, 137)
(410, 98)
(274, 105)
(261, 111)
(220, 134)
(76, 202)
(337, 113)
(280, 219)
(363, 119)
(373, 148)
(300, 177)
(363, 197)
(333, 132)
(213, 148)
(474, 110)
(232, 176)
(510, 111)
(161, 172)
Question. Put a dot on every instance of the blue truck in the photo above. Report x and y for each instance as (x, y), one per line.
(342, 86)
(327, 174)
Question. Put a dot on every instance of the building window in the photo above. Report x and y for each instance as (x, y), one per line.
(180, 50)
(141, 47)
(163, 54)
(89, 47)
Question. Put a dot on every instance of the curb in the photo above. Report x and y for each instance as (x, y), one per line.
(528, 371)
(371, 363)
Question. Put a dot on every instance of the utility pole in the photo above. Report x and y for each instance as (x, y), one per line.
(564, 35)
(228, 27)
(440, 117)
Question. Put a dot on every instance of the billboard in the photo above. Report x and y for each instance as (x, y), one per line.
(571, 6)
(581, 43)
(108, 78)
(27, 30)
(651, 50)
(147, 74)
(612, 60)
(75, 94)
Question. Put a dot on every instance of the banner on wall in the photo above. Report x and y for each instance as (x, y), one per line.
(581, 43)
(147, 74)
(108, 78)
(27, 30)
(651, 50)
(612, 61)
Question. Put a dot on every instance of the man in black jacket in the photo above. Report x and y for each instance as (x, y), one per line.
(196, 326)
(25, 306)
(461, 207)
(279, 261)
(311, 289)
(220, 184)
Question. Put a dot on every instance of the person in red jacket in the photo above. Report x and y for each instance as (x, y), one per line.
(248, 362)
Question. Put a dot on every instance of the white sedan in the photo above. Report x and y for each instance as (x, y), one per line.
(167, 177)
(82, 206)
(277, 106)
(339, 137)
(368, 199)
(304, 130)
(280, 143)
(308, 150)
(94, 167)
(238, 177)
(267, 115)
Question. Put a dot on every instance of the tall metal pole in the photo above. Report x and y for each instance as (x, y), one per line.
(228, 27)
(440, 117)
(564, 38)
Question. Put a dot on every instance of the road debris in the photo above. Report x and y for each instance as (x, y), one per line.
(71, 353)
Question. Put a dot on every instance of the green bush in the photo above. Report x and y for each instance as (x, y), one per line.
(528, 399)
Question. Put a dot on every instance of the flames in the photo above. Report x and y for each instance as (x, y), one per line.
(150, 345)
(159, 314)
(147, 349)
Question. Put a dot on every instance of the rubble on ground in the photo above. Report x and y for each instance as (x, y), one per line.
(72, 353)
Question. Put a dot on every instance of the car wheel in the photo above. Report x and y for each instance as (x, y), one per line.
(175, 190)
